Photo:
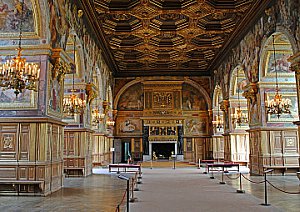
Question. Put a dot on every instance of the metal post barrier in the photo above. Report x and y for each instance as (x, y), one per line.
(266, 189)
(241, 186)
(222, 182)
(122, 177)
(212, 174)
(174, 164)
(136, 180)
(128, 195)
(132, 199)
(206, 169)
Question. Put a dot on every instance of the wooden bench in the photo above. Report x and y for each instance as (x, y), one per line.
(21, 186)
(74, 171)
(210, 166)
(282, 169)
(124, 167)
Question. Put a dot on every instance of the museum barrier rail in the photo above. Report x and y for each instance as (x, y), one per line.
(265, 181)
(121, 202)
(133, 187)
(124, 167)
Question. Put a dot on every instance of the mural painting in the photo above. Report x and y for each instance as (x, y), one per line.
(282, 64)
(55, 93)
(241, 84)
(11, 16)
(192, 99)
(127, 126)
(8, 99)
(132, 98)
(58, 25)
(195, 126)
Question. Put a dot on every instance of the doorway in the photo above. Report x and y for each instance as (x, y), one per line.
(163, 151)
(126, 151)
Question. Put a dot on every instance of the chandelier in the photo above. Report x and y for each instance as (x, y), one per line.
(73, 104)
(278, 105)
(110, 122)
(16, 73)
(239, 117)
(97, 116)
(218, 122)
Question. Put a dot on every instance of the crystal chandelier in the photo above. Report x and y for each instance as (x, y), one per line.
(16, 73)
(97, 115)
(278, 105)
(239, 117)
(73, 104)
(218, 122)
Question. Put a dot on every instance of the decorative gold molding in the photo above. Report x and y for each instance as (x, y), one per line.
(225, 105)
(60, 67)
(250, 92)
(91, 92)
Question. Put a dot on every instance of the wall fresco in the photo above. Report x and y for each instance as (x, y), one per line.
(132, 98)
(11, 16)
(192, 99)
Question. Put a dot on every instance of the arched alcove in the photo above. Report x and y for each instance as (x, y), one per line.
(276, 51)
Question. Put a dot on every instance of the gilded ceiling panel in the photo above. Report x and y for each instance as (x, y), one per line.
(162, 36)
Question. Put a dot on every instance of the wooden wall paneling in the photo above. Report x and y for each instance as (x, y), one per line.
(9, 141)
(25, 140)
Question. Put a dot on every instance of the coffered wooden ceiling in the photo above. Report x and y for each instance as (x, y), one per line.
(167, 37)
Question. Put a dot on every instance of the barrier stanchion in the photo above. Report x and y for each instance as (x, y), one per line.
(212, 175)
(266, 188)
(241, 186)
(222, 178)
(206, 169)
(132, 199)
(136, 185)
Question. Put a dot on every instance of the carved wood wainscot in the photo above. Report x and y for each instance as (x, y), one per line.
(77, 152)
(30, 156)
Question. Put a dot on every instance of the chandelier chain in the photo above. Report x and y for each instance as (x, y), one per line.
(21, 24)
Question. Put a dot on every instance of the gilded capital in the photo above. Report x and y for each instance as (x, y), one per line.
(295, 67)
(295, 63)
(250, 92)
(91, 92)
(225, 105)
(60, 67)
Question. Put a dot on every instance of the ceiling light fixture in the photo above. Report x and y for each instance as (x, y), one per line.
(73, 104)
(218, 122)
(278, 105)
(239, 117)
(16, 73)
